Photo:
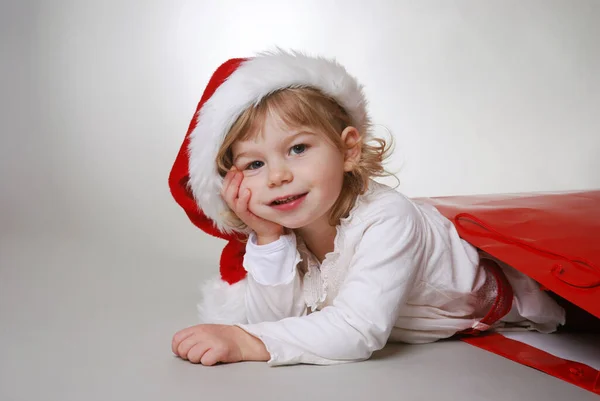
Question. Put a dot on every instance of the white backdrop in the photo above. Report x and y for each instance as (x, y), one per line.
(481, 96)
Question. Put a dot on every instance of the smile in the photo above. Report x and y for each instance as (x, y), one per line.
(288, 203)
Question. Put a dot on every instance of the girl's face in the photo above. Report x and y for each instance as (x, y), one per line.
(294, 175)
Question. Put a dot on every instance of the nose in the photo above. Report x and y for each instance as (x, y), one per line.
(279, 174)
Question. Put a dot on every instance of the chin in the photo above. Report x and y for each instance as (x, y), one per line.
(294, 226)
(299, 223)
(291, 223)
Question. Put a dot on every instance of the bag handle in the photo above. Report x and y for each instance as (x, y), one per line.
(564, 265)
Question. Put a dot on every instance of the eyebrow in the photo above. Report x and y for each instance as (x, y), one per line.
(289, 139)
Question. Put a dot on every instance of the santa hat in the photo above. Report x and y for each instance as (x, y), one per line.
(236, 85)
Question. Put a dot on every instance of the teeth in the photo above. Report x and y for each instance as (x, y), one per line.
(281, 201)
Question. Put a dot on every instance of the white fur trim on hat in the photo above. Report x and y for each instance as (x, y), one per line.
(221, 302)
(246, 86)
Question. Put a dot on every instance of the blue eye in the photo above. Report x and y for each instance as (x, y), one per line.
(297, 149)
(254, 165)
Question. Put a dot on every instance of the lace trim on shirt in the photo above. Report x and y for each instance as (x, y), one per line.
(314, 289)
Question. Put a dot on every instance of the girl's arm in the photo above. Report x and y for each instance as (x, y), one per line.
(271, 291)
(383, 270)
(274, 288)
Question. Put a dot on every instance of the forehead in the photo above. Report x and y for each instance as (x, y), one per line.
(273, 130)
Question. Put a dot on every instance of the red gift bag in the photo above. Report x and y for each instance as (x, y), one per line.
(554, 238)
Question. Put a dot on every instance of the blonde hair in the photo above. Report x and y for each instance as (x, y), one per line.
(309, 107)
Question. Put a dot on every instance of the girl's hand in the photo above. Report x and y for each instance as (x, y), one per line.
(209, 344)
(265, 230)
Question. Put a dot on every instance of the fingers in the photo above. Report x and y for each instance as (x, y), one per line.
(243, 211)
(186, 345)
(197, 349)
(184, 333)
(197, 353)
(179, 337)
(207, 356)
(242, 203)
(239, 201)
(205, 344)
(211, 357)
(231, 186)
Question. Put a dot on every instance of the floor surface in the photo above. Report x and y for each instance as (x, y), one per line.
(80, 321)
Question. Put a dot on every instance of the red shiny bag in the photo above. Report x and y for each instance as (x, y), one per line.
(554, 238)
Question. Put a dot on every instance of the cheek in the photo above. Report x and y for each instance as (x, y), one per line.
(331, 171)
(332, 182)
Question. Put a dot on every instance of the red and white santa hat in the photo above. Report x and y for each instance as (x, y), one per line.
(236, 85)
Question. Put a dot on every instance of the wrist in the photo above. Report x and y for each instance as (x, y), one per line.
(252, 348)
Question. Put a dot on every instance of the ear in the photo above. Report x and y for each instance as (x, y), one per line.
(353, 144)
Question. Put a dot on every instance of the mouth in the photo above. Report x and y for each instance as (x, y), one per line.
(287, 199)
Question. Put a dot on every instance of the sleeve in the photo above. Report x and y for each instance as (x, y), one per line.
(383, 269)
(274, 287)
(271, 291)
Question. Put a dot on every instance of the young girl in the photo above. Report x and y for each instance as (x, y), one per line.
(280, 160)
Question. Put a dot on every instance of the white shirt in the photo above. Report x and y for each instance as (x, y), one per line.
(398, 272)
